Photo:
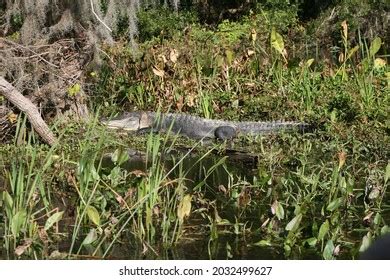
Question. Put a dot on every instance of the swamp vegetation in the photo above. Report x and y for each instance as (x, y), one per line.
(324, 194)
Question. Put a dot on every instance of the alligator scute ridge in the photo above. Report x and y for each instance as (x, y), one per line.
(196, 127)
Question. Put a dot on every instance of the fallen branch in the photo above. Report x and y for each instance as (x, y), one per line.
(25, 105)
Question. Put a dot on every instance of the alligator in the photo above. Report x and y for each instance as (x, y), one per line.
(195, 127)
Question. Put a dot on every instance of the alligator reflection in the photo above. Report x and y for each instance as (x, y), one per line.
(200, 249)
(212, 170)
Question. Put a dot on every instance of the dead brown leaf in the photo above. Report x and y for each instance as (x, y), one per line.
(23, 248)
(158, 72)
(173, 55)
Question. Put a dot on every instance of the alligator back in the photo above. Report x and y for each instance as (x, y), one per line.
(197, 127)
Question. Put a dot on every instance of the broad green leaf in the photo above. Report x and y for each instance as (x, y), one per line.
(91, 237)
(366, 242)
(17, 221)
(324, 229)
(94, 173)
(115, 155)
(342, 183)
(277, 41)
(377, 219)
(53, 219)
(328, 250)
(115, 175)
(93, 215)
(184, 208)
(333, 205)
(297, 210)
(312, 241)
(119, 156)
(375, 46)
(294, 223)
(279, 211)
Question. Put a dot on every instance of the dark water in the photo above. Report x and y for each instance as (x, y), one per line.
(225, 170)
(199, 250)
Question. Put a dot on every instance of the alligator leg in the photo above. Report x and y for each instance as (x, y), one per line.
(225, 132)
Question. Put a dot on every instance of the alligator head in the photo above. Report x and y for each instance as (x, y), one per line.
(132, 121)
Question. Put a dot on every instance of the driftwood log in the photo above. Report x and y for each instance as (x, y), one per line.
(26, 106)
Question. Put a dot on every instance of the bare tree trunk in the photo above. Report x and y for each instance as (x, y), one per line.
(25, 105)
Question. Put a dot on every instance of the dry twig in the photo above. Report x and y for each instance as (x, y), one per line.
(25, 105)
